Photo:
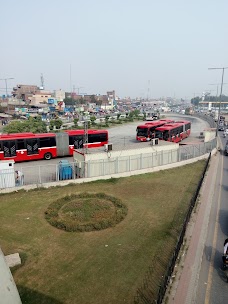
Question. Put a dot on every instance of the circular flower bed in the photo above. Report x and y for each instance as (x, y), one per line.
(85, 212)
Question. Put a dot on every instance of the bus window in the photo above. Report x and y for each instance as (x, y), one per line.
(47, 142)
(9, 148)
(32, 146)
(20, 144)
(97, 138)
(77, 141)
(142, 131)
(166, 135)
(159, 134)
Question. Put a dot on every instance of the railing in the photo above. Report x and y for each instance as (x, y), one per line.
(40, 175)
(207, 118)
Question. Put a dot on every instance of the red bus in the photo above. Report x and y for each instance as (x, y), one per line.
(147, 131)
(174, 132)
(29, 146)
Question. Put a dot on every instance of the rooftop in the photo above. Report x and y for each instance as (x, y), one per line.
(121, 147)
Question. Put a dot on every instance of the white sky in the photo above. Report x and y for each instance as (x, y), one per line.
(136, 47)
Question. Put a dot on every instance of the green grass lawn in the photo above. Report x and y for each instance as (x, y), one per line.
(105, 266)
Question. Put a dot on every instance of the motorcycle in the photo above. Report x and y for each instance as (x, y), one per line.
(225, 261)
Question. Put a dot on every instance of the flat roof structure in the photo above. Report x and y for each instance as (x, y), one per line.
(133, 146)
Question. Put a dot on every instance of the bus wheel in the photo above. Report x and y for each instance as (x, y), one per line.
(47, 156)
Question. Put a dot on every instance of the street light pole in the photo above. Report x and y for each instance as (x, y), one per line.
(220, 97)
(5, 79)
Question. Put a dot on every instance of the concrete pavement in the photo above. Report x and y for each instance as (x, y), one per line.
(183, 287)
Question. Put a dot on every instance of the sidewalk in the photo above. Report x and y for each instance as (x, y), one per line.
(183, 288)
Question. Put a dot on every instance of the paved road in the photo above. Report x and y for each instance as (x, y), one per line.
(202, 279)
(212, 286)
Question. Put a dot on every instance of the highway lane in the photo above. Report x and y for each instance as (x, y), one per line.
(212, 285)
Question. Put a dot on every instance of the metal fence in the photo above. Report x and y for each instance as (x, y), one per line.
(207, 118)
(39, 175)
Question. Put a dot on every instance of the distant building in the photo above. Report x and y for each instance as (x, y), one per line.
(23, 92)
(59, 95)
(105, 102)
(111, 94)
(39, 97)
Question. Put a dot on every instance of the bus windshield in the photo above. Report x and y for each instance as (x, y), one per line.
(142, 131)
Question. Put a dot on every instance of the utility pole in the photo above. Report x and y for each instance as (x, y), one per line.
(220, 97)
(78, 88)
(85, 139)
(6, 79)
(42, 81)
(148, 91)
(70, 83)
(217, 85)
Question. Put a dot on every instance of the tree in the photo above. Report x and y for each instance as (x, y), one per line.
(52, 124)
(82, 100)
(131, 114)
(76, 122)
(93, 99)
(136, 113)
(99, 102)
(106, 120)
(195, 101)
(57, 123)
(69, 101)
(14, 127)
(35, 125)
(93, 118)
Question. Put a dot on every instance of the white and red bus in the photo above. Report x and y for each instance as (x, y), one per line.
(147, 131)
(174, 132)
(29, 146)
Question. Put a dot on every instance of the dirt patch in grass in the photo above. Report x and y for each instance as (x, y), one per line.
(85, 212)
(106, 266)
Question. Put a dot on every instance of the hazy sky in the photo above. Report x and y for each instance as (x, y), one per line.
(138, 48)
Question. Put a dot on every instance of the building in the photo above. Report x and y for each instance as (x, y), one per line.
(109, 160)
(59, 95)
(39, 97)
(23, 92)
(213, 104)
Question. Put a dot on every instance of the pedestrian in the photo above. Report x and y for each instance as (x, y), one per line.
(19, 178)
